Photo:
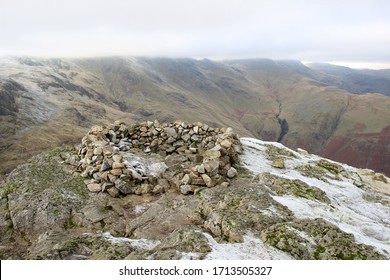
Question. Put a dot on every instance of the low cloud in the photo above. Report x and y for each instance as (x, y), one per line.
(315, 30)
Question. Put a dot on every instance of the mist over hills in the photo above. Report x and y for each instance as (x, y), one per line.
(321, 108)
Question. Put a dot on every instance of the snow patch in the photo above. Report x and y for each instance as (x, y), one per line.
(139, 209)
(251, 249)
(144, 166)
(189, 255)
(144, 244)
(368, 221)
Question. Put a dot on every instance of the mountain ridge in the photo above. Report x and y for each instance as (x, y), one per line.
(60, 98)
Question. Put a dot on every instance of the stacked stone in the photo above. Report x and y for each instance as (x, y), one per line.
(206, 157)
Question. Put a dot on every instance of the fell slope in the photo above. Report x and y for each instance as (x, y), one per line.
(53, 101)
(353, 80)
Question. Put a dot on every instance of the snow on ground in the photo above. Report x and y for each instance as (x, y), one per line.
(144, 166)
(251, 249)
(139, 209)
(145, 244)
(368, 221)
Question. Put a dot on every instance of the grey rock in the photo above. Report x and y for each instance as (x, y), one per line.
(178, 144)
(171, 132)
(170, 149)
(232, 172)
(124, 187)
(186, 137)
(211, 167)
(73, 160)
(186, 180)
(136, 175)
(112, 178)
(158, 189)
(105, 166)
(98, 151)
(196, 138)
(164, 183)
(201, 169)
(171, 140)
(186, 189)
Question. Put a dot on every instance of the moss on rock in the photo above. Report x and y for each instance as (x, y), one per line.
(283, 186)
(317, 239)
(332, 167)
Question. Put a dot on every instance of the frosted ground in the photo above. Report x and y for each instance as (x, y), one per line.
(368, 221)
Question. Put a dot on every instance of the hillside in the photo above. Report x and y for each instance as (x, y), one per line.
(48, 102)
(118, 196)
(353, 80)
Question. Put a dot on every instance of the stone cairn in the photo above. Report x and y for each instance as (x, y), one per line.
(149, 157)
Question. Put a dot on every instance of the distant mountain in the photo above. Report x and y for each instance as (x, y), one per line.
(48, 102)
(353, 80)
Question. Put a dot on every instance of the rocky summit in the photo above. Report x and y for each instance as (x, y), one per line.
(145, 190)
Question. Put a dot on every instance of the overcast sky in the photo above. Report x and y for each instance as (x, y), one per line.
(326, 31)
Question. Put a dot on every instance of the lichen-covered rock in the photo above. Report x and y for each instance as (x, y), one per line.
(330, 166)
(229, 211)
(317, 239)
(185, 240)
(278, 163)
(282, 186)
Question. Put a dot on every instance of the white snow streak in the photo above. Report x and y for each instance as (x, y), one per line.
(251, 249)
(144, 244)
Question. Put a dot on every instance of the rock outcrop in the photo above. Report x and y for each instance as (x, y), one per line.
(148, 157)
